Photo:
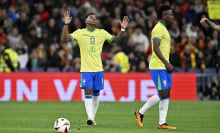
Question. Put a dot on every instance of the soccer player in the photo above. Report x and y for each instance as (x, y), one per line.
(210, 23)
(90, 40)
(160, 68)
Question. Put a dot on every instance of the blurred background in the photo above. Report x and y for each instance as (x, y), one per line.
(33, 29)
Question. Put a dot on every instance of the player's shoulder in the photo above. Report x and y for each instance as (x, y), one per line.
(80, 30)
(101, 30)
(77, 31)
(157, 27)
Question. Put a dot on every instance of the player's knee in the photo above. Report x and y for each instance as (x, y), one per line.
(164, 94)
(96, 92)
(88, 91)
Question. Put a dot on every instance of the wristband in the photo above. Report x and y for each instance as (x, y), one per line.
(122, 29)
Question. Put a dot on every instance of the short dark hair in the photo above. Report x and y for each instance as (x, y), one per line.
(161, 9)
(91, 13)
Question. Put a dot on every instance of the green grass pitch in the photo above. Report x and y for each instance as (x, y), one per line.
(112, 117)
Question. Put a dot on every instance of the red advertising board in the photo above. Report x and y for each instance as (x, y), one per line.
(65, 87)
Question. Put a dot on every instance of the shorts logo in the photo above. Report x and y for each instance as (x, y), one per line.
(164, 83)
(84, 81)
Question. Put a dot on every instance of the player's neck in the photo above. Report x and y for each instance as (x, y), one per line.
(90, 28)
(163, 22)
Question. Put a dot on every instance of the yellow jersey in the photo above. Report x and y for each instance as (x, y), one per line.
(91, 44)
(160, 32)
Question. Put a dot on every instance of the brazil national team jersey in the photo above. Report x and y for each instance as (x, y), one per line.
(91, 44)
(160, 32)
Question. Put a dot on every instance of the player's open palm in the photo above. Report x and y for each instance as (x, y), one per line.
(67, 18)
(124, 22)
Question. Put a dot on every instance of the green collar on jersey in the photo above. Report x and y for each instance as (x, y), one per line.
(162, 24)
(90, 30)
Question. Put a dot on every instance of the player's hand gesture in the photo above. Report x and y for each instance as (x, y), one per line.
(67, 18)
(124, 22)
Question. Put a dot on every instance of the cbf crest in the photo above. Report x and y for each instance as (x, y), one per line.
(92, 40)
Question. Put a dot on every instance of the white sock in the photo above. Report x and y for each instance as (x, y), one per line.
(88, 105)
(151, 102)
(95, 105)
(163, 109)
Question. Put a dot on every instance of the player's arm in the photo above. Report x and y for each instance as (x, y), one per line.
(65, 33)
(8, 62)
(210, 23)
(156, 43)
(118, 38)
(124, 25)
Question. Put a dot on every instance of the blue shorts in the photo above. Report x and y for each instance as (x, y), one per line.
(92, 80)
(162, 79)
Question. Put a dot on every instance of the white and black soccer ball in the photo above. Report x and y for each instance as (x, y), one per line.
(62, 125)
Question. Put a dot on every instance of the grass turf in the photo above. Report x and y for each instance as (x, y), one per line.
(112, 117)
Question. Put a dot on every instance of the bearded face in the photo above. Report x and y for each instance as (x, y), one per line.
(91, 20)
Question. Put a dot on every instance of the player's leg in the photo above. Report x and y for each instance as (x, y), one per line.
(89, 106)
(164, 93)
(163, 106)
(151, 101)
(95, 102)
(140, 113)
(88, 103)
(98, 85)
(86, 83)
(163, 110)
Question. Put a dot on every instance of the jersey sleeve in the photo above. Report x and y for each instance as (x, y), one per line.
(108, 37)
(157, 33)
(75, 35)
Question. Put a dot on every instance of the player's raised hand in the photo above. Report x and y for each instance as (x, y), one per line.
(124, 22)
(67, 18)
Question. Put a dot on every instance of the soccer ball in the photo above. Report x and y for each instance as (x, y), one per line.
(62, 125)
